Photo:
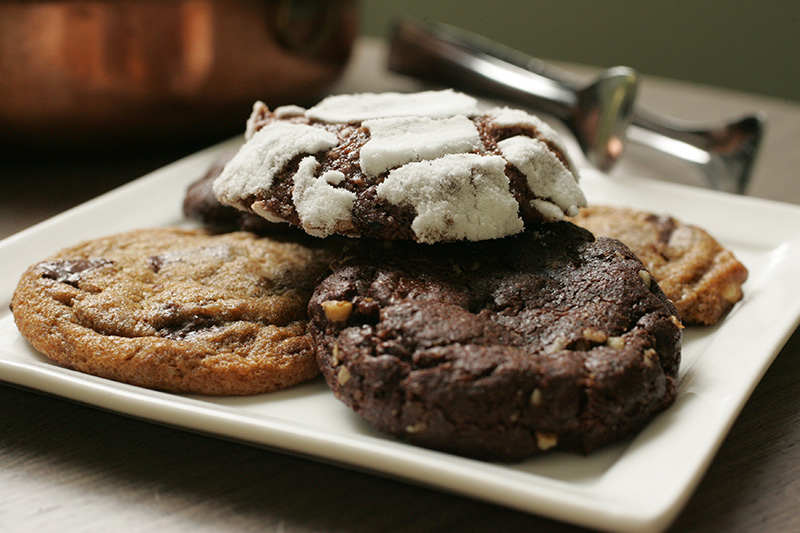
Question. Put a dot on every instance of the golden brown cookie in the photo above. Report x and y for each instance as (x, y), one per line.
(700, 276)
(177, 310)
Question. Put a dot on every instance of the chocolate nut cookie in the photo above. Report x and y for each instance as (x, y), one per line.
(702, 278)
(498, 349)
(426, 166)
(176, 310)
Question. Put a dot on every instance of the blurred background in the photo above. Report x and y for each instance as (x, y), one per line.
(746, 45)
(94, 93)
(78, 74)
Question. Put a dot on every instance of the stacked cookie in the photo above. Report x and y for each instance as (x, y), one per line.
(467, 315)
(465, 312)
(427, 167)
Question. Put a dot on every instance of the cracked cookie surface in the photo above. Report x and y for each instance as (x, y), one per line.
(428, 166)
(177, 310)
(498, 349)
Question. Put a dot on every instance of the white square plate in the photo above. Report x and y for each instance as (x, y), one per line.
(637, 485)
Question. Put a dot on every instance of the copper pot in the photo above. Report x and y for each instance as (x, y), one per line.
(102, 73)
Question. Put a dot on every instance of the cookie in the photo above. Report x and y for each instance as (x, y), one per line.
(201, 205)
(498, 349)
(701, 277)
(426, 166)
(176, 310)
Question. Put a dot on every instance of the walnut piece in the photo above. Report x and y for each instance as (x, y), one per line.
(337, 310)
(545, 441)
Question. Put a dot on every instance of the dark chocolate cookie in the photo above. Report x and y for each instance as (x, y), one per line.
(177, 310)
(498, 349)
(425, 166)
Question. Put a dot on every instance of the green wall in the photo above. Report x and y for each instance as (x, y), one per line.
(752, 46)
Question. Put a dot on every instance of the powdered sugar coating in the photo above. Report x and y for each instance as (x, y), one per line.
(396, 141)
(265, 154)
(289, 111)
(259, 109)
(506, 116)
(321, 207)
(456, 197)
(547, 176)
(345, 108)
(427, 162)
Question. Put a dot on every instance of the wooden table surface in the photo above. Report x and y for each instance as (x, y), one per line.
(68, 467)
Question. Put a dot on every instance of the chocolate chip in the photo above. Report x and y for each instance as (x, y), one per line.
(69, 270)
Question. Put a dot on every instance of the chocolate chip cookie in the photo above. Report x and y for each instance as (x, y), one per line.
(177, 310)
(426, 166)
(498, 349)
(701, 277)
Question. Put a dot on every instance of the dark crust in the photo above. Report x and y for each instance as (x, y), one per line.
(372, 217)
(497, 349)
